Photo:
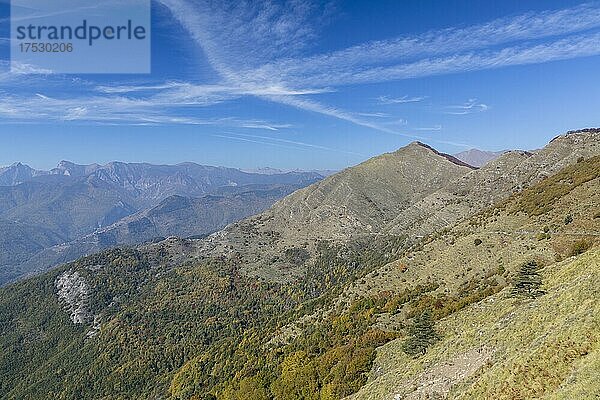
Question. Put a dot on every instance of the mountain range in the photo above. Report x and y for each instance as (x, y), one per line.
(68, 203)
(318, 296)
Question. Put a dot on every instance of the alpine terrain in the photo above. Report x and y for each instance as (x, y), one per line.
(413, 275)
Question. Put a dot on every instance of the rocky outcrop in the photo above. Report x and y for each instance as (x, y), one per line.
(73, 292)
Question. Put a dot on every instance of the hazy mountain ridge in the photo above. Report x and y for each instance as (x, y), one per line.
(18, 173)
(73, 201)
(478, 158)
(175, 216)
(18, 242)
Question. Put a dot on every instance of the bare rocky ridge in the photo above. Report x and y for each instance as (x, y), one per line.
(509, 173)
(18, 173)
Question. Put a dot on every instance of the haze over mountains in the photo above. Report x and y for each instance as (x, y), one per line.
(42, 209)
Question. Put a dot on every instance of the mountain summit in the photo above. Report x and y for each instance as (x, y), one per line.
(355, 203)
(17, 173)
(478, 158)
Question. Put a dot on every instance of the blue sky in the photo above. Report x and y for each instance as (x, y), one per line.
(316, 85)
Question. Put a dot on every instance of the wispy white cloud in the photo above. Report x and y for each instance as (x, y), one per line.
(194, 89)
(469, 107)
(247, 140)
(499, 43)
(262, 125)
(429, 128)
(12, 72)
(284, 142)
(256, 49)
(373, 114)
(316, 107)
(432, 44)
(400, 100)
(158, 110)
(246, 33)
(560, 49)
(396, 122)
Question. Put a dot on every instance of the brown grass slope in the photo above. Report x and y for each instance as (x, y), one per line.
(501, 347)
(356, 202)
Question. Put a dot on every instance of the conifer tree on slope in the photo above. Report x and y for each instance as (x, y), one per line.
(528, 281)
(421, 335)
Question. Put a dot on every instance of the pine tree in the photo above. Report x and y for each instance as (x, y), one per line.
(528, 281)
(421, 335)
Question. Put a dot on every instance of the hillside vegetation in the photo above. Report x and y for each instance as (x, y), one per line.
(508, 348)
(497, 346)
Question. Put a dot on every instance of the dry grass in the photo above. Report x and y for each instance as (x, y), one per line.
(548, 347)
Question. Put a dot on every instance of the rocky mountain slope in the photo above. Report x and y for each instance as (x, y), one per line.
(509, 173)
(18, 173)
(149, 184)
(355, 203)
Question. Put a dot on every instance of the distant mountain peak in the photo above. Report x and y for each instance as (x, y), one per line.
(17, 173)
(478, 158)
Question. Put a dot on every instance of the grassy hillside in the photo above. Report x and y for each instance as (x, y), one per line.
(497, 346)
(355, 203)
(508, 348)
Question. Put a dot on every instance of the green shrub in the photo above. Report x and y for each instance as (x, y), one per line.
(579, 247)
(540, 198)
